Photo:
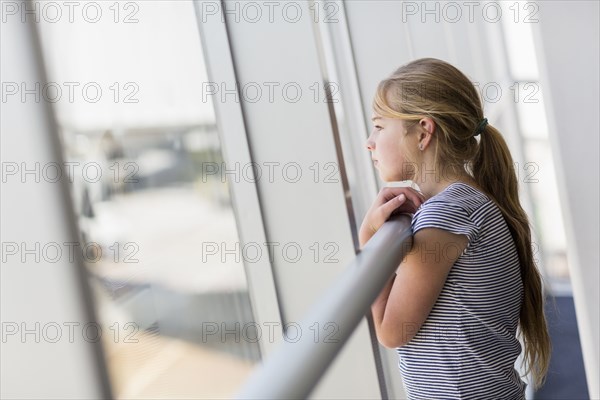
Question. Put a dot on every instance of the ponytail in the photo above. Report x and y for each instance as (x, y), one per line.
(493, 170)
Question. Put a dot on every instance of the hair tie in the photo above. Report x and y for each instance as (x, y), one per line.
(481, 127)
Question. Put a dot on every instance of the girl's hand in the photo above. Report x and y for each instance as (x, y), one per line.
(389, 200)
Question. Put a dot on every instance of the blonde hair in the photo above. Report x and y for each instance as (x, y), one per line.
(429, 87)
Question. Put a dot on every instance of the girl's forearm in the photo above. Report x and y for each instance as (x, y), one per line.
(380, 303)
(378, 306)
(364, 235)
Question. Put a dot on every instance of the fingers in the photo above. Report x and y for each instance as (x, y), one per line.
(393, 204)
(391, 191)
(393, 200)
(405, 205)
(414, 196)
(388, 193)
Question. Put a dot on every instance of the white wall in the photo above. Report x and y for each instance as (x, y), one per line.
(567, 50)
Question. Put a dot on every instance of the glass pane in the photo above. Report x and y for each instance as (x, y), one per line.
(538, 172)
(531, 110)
(126, 82)
(517, 18)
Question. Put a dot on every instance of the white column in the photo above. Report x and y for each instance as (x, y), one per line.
(568, 57)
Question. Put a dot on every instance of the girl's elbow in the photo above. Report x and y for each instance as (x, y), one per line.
(393, 337)
(390, 344)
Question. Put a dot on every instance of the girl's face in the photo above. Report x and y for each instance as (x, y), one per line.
(390, 146)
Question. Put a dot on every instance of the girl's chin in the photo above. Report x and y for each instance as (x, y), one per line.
(385, 178)
(390, 178)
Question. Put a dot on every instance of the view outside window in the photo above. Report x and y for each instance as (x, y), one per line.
(143, 152)
(537, 172)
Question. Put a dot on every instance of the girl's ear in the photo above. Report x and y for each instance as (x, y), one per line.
(426, 132)
(428, 125)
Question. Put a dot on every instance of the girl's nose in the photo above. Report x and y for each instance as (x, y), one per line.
(370, 143)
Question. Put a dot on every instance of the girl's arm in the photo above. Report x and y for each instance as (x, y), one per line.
(408, 297)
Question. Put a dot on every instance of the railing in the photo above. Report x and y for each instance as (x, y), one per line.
(295, 368)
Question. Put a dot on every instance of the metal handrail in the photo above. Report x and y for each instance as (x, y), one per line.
(296, 367)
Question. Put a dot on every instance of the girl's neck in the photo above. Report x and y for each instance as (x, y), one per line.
(434, 185)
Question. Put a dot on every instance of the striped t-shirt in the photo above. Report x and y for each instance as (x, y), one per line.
(467, 347)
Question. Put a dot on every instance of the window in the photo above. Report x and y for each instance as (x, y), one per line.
(155, 216)
(538, 170)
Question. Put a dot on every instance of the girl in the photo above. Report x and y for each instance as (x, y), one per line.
(453, 307)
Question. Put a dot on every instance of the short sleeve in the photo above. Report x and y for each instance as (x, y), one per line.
(447, 216)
